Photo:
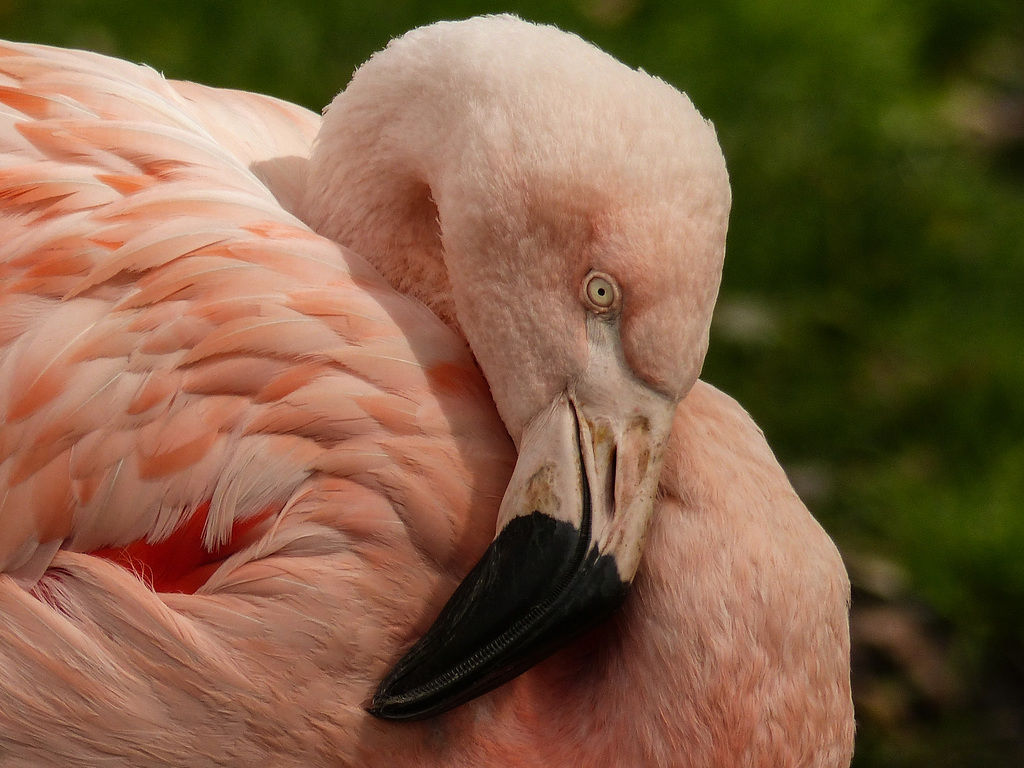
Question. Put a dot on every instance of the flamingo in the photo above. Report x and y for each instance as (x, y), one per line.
(379, 439)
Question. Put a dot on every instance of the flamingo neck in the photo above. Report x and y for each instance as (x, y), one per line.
(367, 193)
(417, 168)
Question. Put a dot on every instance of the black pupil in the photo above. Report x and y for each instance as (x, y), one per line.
(600, 291)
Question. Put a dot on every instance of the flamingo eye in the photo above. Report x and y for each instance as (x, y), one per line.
(600, 292)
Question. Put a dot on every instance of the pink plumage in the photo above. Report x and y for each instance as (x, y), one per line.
(244, 466)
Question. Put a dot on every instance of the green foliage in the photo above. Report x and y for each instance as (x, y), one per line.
(871, 315)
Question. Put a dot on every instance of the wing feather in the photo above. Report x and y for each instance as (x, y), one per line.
(184, 366)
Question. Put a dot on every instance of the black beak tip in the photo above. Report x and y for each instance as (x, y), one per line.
(383, 709)
(391, 702)
(397, 709)
(539, 585)
(380, 706)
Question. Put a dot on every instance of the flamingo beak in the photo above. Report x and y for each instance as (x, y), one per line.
(570, 536)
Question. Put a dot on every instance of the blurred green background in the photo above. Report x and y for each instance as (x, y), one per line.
(871, 317)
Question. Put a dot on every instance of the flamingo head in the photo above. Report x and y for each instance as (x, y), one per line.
(580, 210)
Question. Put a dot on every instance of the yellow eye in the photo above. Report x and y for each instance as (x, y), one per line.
(600, 291)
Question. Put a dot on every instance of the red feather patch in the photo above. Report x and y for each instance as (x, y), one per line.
(180, 563)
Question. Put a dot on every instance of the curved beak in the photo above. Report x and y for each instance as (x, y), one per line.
(570, 536)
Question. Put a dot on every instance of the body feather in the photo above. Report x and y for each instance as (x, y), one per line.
(182, 341)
